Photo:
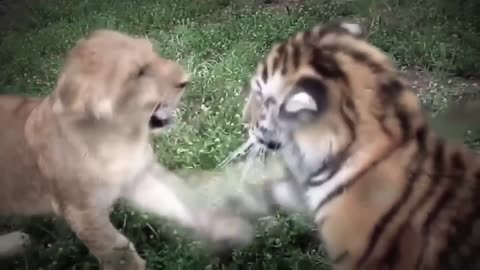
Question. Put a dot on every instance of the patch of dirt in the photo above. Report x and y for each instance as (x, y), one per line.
(424, 83)
(453, 103)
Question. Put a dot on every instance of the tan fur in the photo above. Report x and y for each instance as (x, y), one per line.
(396, 173)
(77, 151)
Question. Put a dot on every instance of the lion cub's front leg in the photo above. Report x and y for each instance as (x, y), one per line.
(158, 191)
(113, 250)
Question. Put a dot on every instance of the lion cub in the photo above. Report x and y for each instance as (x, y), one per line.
(87, 145)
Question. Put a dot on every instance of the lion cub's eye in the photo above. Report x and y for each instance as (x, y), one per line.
(182, 85)
(141, 71)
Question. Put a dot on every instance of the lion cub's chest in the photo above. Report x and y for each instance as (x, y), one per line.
(122, 162)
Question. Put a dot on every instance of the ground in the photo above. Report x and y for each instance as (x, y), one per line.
(219, 42)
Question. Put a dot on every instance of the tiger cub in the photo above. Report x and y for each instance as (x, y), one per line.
(383, 190)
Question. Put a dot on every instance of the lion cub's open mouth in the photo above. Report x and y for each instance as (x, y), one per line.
(156, 122)
(160, 118)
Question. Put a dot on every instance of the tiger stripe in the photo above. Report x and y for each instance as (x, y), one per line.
(392, 212)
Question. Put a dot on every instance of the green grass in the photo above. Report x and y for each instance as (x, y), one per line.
(219, 42)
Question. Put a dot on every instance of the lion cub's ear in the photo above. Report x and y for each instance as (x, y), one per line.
(75, 96)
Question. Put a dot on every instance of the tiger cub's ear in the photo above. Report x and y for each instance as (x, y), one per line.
(353, 28)
(309, 98)
(300, 101)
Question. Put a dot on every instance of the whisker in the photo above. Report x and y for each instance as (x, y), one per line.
(262, 155)
(262, 164)
(250, 160)
(241, 151)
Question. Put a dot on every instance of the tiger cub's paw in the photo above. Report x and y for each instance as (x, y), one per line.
(225, 232)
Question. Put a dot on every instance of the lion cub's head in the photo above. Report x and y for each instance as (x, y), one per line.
(114, 79)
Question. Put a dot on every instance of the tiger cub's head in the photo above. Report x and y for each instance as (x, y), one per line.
(326, 89)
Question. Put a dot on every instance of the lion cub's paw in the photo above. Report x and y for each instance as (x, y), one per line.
(123, 258)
